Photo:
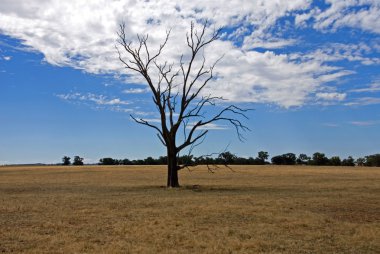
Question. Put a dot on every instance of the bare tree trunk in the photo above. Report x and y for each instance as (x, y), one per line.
(172, 169)
(178, 92)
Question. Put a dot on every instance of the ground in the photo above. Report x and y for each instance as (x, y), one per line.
(127, 209)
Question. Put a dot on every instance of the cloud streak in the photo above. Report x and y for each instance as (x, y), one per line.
(363, 101)
(374, 87)
(90, 97)
(364, 123)
(136, 91)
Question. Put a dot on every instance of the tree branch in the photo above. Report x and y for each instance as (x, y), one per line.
(188, 99)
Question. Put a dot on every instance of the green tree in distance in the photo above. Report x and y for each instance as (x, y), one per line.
(66, 160)
(78, 161)
(262, 156)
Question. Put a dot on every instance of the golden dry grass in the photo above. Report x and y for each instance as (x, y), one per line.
(257, 209)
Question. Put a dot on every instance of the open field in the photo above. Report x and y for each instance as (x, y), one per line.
(125, 209)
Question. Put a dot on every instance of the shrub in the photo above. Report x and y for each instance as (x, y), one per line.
(373, 160)
(285, 159)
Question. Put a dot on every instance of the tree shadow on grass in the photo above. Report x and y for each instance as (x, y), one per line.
(83, 188)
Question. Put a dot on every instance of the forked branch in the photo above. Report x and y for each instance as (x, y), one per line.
(178, 91)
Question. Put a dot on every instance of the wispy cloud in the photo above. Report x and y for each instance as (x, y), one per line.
(132, 111)
(7, 58)
(152, 120)
(364, 101)
(364, 123)
(331, 96)
(267, 43)
(332, 125)
(374, 87)
(210, 126)
(90, 97)
(334, 52)
(136, 90)
(342, 13)
(102, 102)
(354, 123)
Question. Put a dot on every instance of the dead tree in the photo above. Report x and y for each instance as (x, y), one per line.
(178, 93)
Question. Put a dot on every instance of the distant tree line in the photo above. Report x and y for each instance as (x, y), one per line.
(78, 161)
(318, 159)
(228, 158)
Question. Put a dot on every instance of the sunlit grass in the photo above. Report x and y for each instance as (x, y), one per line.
(121, 209)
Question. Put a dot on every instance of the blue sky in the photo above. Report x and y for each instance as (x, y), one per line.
(310, 70)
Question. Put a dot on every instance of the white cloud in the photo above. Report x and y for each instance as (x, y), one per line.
(7, 58)
(363, 101)
(152, 120)
(270, 78)
(262, 16)
(136, 90)
(364, 123)
(333, 52)
(362, 14)
(355, 123)
(82, 34)
(300, 19)
(374, 87)
(329, 77)
(272, 43)
(133, 111)
(90, 97)
(116, 102)
(331, 96)
(210, 126)
(102, 102)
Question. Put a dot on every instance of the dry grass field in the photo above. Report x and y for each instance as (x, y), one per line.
(126, 209)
